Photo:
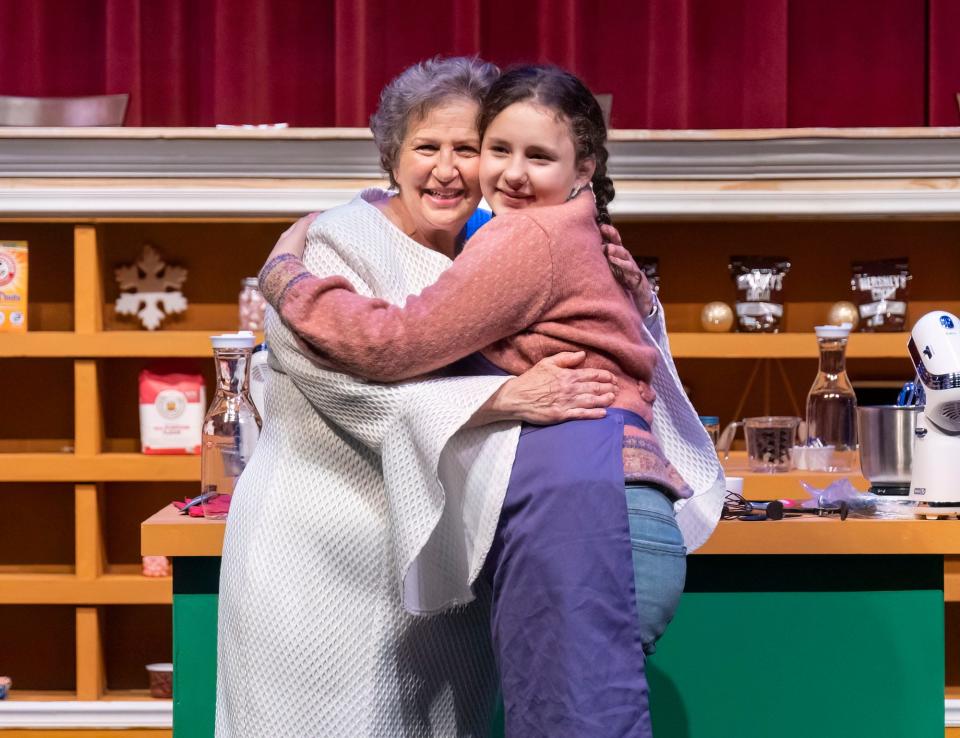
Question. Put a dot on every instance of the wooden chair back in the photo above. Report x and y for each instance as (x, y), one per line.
(606, 104)
(93, 110)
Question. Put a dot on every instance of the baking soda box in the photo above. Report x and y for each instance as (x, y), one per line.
(13, 286)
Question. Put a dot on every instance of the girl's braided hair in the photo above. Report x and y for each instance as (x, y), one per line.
(561, 91)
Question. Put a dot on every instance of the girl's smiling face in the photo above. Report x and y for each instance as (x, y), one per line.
(528, 159)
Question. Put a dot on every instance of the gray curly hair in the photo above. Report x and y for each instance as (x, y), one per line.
(418, 90)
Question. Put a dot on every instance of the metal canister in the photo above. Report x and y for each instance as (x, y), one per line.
(886, 443)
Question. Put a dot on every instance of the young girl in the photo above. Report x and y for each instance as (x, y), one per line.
(571, 569)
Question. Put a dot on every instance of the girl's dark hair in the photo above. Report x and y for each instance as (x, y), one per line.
(561, 91)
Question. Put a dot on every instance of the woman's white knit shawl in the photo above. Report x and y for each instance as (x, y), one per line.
(364, 503)
(445, 486)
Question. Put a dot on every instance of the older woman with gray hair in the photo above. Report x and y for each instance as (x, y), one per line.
(367, 504)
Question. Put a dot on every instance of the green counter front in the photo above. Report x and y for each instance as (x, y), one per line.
(809, 627)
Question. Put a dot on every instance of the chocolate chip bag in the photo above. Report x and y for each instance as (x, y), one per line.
(880, 289)
(759, 282)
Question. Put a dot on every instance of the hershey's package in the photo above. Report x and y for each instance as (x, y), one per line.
(880, 289)
(759, 282)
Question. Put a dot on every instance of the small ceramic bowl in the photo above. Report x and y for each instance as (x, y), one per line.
(812, 458)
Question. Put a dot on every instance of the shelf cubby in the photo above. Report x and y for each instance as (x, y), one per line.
(120, 398)
(694, 257)
(50, 273)
(39, 647)
(38, 402)
(36, 529)
(214, 274)
(134, 636)
(126, 505)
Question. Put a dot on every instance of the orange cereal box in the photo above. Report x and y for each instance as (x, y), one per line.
(13, 286)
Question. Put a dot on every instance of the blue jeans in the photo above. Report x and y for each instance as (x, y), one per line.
(659, 560)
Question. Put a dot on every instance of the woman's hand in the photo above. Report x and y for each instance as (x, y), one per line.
(293, 240)
(550, 392)
(626, 271)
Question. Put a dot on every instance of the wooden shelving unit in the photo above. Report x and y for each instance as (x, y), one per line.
(684, 344)
(71, 468)
(84, 475)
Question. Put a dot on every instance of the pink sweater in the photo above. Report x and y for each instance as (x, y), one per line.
(528, 285)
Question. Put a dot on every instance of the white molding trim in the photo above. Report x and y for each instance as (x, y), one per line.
(159, 714)
(252, 201)
(951, 709)
(351, 153)
(787, 203)
(86, 714)
(79, 202)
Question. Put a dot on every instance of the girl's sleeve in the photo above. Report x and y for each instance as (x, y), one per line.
(498, 286)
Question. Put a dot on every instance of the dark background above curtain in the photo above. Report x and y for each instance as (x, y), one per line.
(668, 63)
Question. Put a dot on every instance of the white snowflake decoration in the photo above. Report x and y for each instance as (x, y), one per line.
(155, 285)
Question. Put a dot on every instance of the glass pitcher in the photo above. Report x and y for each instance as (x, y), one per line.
(231, 426)
(832, 404)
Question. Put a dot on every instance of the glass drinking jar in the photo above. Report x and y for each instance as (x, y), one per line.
(832, 403)
(231, 427)
(251, 305)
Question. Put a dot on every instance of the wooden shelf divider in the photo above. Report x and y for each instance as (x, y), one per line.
(87, 416)
(107, 467)
(91, 674)
(109, 344)
(88, 280)
(90, 558)
(28, 588)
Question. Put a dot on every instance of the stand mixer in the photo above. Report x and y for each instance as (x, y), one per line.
(935, 351)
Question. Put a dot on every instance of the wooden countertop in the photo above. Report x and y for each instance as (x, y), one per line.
(167, 533)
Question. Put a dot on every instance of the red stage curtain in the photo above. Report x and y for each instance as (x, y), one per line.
(668, 63)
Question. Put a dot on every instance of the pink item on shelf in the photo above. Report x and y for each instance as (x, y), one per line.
(156, 566)
(5, 684)
(172, 405)
(220, 504)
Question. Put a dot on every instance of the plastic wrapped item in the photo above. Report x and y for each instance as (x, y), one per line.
(861, 504)
(881, 288)
(759, 281)
(156, 566)
(172, 402)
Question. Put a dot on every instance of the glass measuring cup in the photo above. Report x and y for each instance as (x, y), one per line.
(770, 440)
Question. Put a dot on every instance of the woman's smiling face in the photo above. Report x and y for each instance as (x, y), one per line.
(528, 159)
(437, 171)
